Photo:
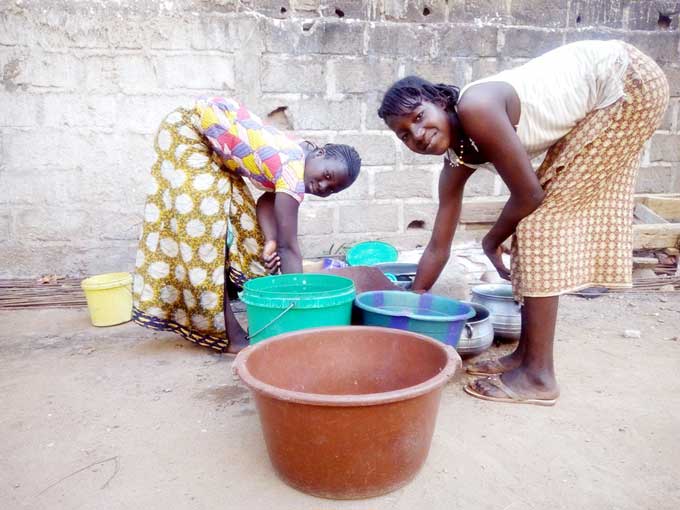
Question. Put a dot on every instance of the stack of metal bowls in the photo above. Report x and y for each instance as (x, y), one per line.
(505, 312)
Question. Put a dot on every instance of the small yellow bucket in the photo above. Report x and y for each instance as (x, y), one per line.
(109, 298)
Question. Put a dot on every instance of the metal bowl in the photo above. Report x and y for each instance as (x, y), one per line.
(505, 311)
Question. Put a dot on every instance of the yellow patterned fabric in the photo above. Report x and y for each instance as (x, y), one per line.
(581, 235)
(193, 200)
(270, 159)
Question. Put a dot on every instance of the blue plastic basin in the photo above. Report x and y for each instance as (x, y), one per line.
(438, 317)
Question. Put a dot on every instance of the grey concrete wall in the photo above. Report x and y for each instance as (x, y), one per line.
(85, 83)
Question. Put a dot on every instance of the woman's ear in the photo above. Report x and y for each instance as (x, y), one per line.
(319, 152)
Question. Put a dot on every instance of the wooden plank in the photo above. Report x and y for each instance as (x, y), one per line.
(656, 236)
(646, 215)
(665, 205)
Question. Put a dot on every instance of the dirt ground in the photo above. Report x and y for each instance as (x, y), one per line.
(123, 417)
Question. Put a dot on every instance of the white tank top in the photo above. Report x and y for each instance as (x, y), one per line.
(559, 88)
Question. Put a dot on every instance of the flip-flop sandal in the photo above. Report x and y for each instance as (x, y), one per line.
(471, 370)
(510, 398)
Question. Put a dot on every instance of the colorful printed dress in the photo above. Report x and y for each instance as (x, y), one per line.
(197, 198)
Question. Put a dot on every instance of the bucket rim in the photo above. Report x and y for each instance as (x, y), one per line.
(453, 363)
(105, 281)
(320, 299)
(413, 315)
(487, 290)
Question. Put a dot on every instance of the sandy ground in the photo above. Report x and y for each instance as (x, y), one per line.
(123, 417)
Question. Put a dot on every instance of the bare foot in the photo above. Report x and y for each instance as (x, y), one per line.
(518, 384)
(495, 366)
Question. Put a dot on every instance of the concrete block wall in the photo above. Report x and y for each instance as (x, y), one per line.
(84, 84)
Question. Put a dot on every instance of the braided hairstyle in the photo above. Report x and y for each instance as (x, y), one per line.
(406, 94)
(349, 155)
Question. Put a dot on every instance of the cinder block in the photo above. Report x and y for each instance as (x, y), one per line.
(102, 75)
(70, 110)
(451, 72)
(20, 109)
(673, 75)
(468, 41)
(172, 33)
(319, 113)
(396, 40)
(409, 240)
(426, 11)
(669, 116)
(654, 179)
(409, 183)
(599, 13)
(201, 72)
(71, 148)
(351, 9)
(373, 149)
(363, 75)
(483, 11)
(482, 68)
(480, 184)
(661, 46)
(37, 188)
(645, 15)
(665, 148)
(360, 189)
(362, 217)
(424, 213)
(53, 224)
(586, 34)
(297, 74)
(154, 109)
(525, 42)
(135, 74)
(47, 69)
(316, 219)
(317, 37)
(540, 13)
(321, 245)
(413, 158)
(34, 67)
(372, 102)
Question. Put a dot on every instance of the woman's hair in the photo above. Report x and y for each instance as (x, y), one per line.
(349, 155)
(404, 95)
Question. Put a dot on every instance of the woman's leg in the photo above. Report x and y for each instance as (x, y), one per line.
(534, 378)
(237, 336)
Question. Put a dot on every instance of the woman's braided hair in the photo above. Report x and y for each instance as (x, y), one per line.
(408, 93)
(349, 155)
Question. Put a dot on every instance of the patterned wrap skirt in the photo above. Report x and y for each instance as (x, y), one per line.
(194, 205)
(581, 234)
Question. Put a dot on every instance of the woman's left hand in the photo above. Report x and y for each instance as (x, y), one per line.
(271, 258)
(495, 253)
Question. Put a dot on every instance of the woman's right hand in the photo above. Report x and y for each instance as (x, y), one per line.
(270, 257)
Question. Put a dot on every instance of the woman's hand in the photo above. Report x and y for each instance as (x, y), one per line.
(495, 253)
(270, 257)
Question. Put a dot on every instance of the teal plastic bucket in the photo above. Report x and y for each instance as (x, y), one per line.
(291, 302)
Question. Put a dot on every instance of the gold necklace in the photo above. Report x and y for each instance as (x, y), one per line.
(459, 157)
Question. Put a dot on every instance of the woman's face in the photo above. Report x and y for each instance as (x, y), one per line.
(425, 130)
(324, 176)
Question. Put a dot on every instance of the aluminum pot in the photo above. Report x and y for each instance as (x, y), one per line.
(506, 317)
(477, 336)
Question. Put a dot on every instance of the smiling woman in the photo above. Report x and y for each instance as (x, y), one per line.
(202, 226)
(591, 105)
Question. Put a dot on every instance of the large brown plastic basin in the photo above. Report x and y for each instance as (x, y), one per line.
(347, 412)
